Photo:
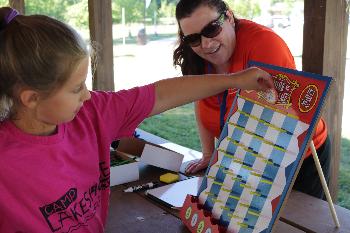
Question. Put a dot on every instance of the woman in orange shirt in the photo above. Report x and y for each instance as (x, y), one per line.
(213, 40)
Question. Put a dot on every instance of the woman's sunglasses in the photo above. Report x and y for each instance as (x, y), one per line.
(211, 30)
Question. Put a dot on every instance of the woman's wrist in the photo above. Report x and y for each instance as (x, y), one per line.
(206, 154)
(206, 157)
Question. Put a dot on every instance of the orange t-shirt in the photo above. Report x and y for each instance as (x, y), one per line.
(254, 42)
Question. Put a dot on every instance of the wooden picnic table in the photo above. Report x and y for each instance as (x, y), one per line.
(136, 212)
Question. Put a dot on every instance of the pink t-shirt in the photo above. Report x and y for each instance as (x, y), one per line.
(60, 183)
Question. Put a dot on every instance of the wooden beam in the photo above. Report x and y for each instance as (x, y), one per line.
(324, 52)
(100, 23)
(18, 5)
(313, 35)
(334, 62)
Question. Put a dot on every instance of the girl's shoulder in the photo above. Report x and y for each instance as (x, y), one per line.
(120, 112)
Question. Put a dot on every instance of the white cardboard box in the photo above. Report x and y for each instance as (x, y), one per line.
(161, 157)
(148, 153)
(124, 173)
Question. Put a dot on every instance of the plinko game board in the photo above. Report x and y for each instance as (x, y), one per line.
(258, 155)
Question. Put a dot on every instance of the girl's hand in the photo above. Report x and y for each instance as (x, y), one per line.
(254, 78)
(197, 165)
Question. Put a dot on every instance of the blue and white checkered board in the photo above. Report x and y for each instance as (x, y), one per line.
(257, 151)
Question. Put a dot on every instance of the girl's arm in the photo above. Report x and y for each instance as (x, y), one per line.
(174, 92)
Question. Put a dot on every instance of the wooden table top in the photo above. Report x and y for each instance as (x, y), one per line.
(135, 212)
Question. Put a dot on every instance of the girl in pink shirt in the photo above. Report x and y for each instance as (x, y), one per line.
(55, 135)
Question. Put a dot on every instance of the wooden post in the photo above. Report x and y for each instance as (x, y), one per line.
(100, 23)
(18, 5)
(324, 52)
(313, 35)
(334, 65)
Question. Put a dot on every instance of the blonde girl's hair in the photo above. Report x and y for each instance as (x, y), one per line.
(36, 52)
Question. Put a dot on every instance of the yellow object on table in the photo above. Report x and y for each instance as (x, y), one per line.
(169, 178)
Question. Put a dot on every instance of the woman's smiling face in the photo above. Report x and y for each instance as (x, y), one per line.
(219, 49)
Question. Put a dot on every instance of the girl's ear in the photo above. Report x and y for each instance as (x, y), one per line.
(29, 98)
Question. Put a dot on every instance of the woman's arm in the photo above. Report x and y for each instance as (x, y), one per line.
(206, 138)
(207, 142)
(174, 92)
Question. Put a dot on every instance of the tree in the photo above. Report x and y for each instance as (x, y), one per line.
(4, 3)
(53, 8)
(167, 8)
(133, 10)
(77, 14)
(244, 8)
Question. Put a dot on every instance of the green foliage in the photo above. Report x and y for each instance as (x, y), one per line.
(77, 14)
(167, 9)
(73, 12)
(345, 152)
(134, 10)
(53, 8)
(244, 8)
(344, 175)
(4, 3)
(177, 125)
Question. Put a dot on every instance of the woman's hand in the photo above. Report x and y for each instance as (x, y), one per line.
(199, 164)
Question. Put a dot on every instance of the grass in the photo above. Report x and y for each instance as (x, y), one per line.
(178, 125)
(344, 175)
